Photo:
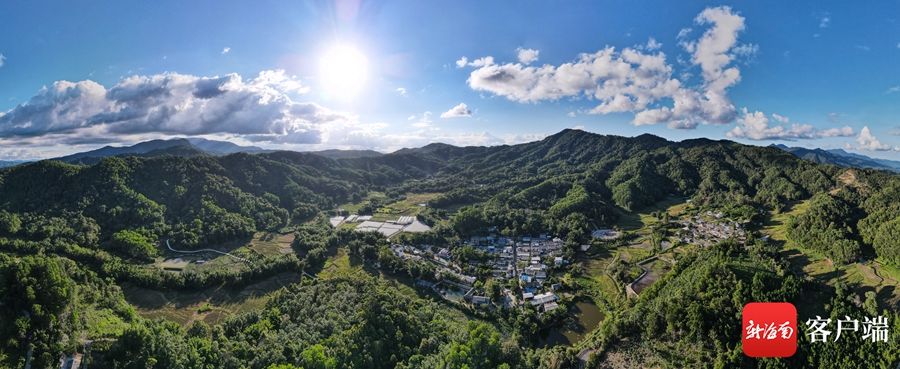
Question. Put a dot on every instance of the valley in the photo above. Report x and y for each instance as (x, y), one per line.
(579, 249)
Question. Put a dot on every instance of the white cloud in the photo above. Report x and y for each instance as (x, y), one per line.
(458, 111)
(401, 91)
(780, 118)
(226, 50)
(260, 109)
(424, 121)
(482, 62)
(652, 45)
(868, 141)
(824, 21)
(632, 80)
(527, 56)
(893, 89)
(462, 62)
(2, 60)
(571, 114)
(844, 131)
(755, 126)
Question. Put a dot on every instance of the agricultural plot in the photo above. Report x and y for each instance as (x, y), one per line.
(211, 305)
(410, 205)
(339, 265)
(655, 270)
(642, 220)
(266, 244)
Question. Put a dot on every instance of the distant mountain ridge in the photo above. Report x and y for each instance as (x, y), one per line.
(347, 154)
(841, 158)
(195, 146)
(11, 163)
(185, 147)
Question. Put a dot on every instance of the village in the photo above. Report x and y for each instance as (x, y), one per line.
(525, 264)
(709, 228)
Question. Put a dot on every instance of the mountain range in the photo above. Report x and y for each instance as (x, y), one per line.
(188, 147)
(841, 158)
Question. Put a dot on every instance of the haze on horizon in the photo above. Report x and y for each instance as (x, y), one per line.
(385, 75)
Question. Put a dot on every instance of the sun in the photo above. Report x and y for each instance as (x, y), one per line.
(343, 70)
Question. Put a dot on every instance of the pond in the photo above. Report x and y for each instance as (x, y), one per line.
(587, 316)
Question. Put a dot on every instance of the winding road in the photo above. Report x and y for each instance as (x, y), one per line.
(204, 250)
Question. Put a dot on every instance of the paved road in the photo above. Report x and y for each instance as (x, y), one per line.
(204, 250)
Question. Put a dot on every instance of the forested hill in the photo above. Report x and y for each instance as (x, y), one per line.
(183, 197)
(81, 234)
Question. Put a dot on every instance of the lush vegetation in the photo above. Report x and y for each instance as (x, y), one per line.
(71, 235)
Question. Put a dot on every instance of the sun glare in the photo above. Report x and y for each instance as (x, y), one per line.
(343, 71)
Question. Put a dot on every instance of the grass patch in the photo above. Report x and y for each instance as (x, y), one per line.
(340, 265)
(599, 285)
(776, 227)
(271, 244)
(634, 254)
(643, 219)
(353, 207)
(103, 323)
(211, 305)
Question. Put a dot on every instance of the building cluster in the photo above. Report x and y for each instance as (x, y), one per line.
(525, 261)
(709, 229)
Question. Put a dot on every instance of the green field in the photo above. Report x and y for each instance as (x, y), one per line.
(598, 283)
(339, 265)
(211, 305)
(776, 227)
(409, 205)
(643, 219)
(267, 244)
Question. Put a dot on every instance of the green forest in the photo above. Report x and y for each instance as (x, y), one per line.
(76, 239)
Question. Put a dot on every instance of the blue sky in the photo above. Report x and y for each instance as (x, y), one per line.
(814, 74)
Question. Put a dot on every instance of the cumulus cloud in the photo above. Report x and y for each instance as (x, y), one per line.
(458, 111)
(867, 141)
(462, 62)
(401, 91)
(2, 60)
(226, 50)
(527, 56)
(635, 80)
(756, 126)
(261, 108)
(892, 89)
